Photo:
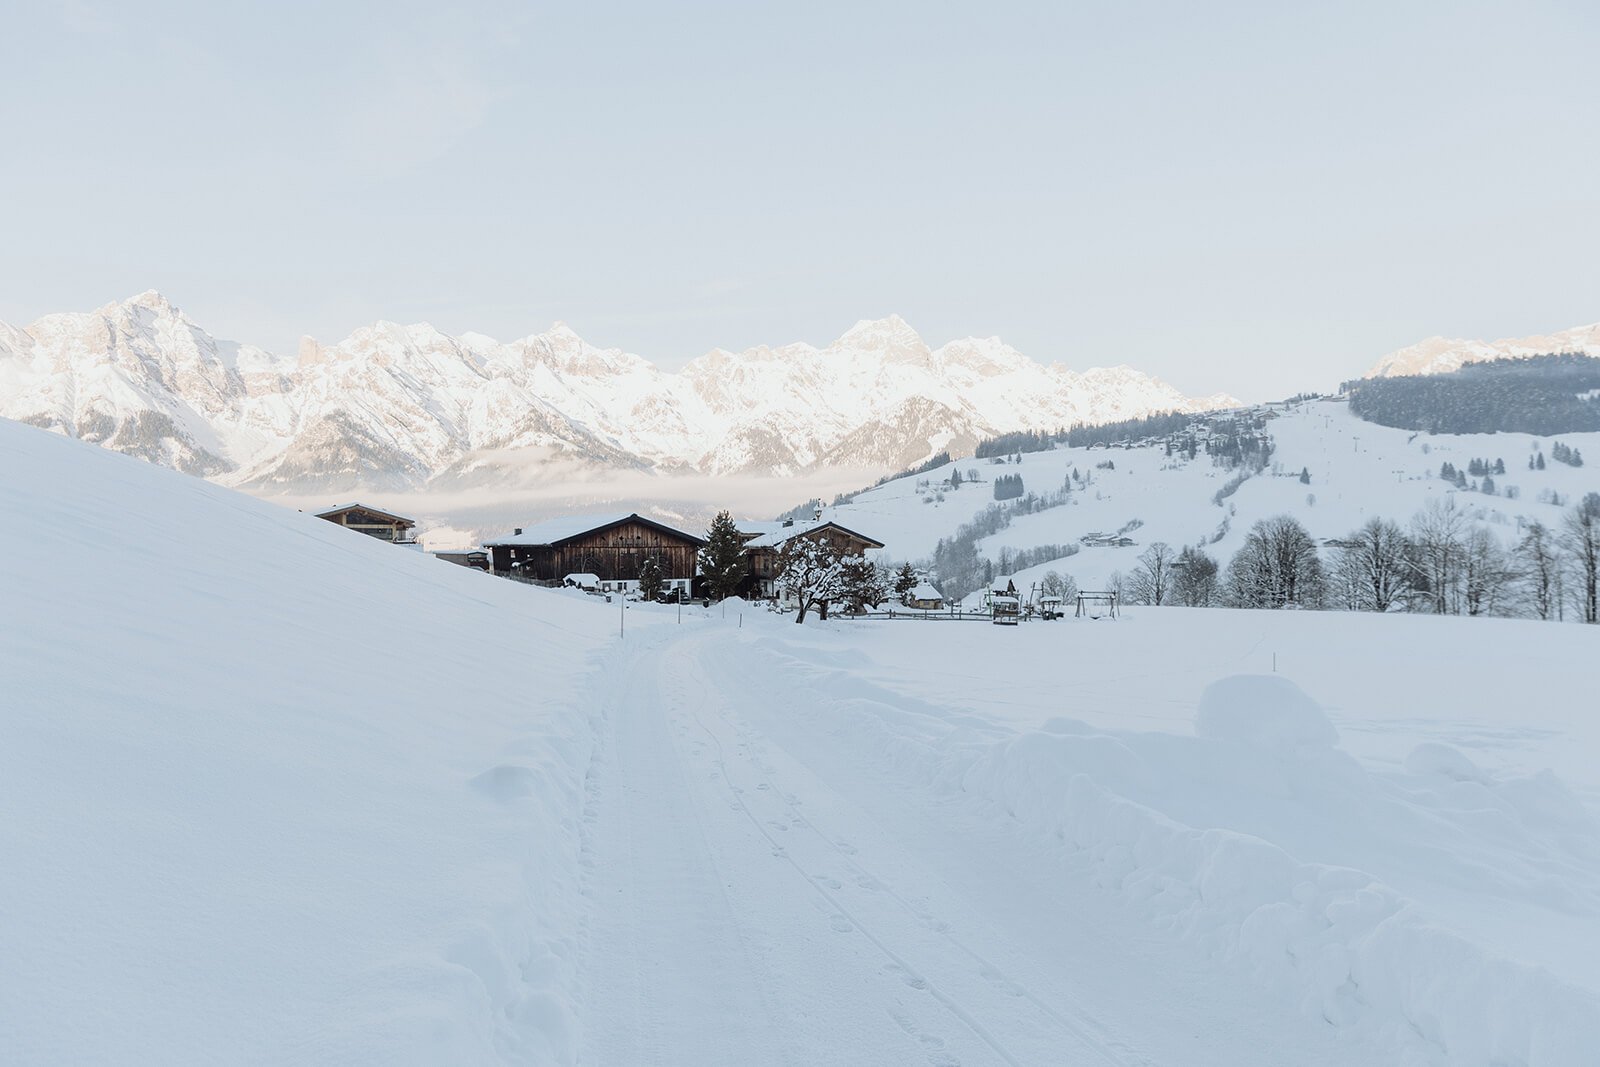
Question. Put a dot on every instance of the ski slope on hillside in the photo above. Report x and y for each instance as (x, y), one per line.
(1357, 470)
(275, 792)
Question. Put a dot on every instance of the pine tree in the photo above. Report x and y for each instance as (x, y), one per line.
(722, 559)
(1305, 476)
(650, 580)
(904, 582)
(1541, 461)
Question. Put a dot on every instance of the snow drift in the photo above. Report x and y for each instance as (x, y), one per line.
(1206, 836)
(263, 800)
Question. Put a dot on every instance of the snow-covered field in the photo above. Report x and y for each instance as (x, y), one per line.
(272, 792)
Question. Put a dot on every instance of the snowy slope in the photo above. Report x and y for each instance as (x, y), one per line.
(264, 803)
(276, 792)
(1357, 469)
(1441, 355)
(393, 407)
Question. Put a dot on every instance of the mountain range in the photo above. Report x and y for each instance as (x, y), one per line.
(396, 407)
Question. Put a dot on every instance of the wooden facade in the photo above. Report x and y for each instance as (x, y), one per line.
(371, 521)
(762, 552)
(614, 551)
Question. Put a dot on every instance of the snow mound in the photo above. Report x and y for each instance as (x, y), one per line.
(1436, 758)
(1266, 710)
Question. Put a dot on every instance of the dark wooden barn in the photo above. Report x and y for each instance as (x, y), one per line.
(612, 548)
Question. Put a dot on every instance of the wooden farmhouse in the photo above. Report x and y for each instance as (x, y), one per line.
(610, 548)
(764, 541)
(373, 522)
(925, 597)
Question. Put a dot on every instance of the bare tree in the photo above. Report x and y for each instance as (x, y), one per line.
(863, 584)
(1374, 567)
(1539, 568)
(1277, 566)
(1485, 572)
(1151, 583)
(1581, 536)
(1194, 578)
(809, 573)
(1438, 532)
(1055, 583)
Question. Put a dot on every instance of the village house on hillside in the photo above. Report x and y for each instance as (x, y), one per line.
(764, 540)
(611, 549)
(374, 522)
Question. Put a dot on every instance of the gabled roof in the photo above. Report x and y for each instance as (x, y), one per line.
(925, 591)
(776, 538)
(342, 508)
(568, 527)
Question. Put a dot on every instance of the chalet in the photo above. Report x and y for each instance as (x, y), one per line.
(610, 549)
(373, 522)
(762, 549)
(925, 597)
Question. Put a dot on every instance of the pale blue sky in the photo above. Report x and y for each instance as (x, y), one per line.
(1244, 197)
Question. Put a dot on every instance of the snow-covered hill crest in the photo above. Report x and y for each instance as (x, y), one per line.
(395, 406)
(1441, 355)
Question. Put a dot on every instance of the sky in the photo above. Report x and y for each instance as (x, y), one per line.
(1254, 198)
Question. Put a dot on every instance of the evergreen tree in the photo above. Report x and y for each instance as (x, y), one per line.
(1500, 466)
(722, 559)
(650, 580)
(904, 581)
(1305, 476)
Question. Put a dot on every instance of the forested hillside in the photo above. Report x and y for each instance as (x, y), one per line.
(1542, 395)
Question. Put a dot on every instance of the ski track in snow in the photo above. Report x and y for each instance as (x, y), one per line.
(746, 911)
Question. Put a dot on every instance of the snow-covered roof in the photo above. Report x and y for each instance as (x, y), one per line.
(581, 579)
(339, 508)
(926, 591)
(553, 531)
(777, 537)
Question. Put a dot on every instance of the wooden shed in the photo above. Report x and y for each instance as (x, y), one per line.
(611, 548)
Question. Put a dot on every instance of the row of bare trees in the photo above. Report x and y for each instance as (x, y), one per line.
(1441, 562)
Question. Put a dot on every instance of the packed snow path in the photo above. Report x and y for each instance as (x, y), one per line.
(762, 897)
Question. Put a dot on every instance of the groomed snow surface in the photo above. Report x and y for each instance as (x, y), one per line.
(276, 793)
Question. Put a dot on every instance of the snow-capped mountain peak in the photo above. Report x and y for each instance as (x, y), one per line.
(1441, 355)
(403, 405)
